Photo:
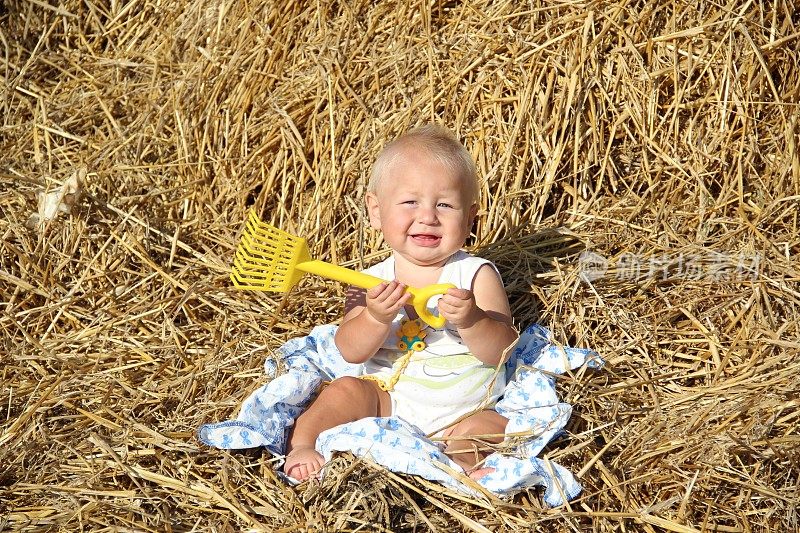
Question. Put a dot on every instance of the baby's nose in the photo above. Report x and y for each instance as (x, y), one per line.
(427, 215)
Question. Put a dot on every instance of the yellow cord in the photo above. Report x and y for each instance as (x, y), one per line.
(388, 386)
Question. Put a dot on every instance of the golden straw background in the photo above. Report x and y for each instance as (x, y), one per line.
(659, 132)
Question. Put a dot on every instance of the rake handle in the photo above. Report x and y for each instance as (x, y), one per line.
(419, 298)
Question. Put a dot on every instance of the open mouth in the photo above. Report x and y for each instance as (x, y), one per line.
(425, 239)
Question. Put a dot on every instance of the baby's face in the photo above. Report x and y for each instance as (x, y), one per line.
(423, 209)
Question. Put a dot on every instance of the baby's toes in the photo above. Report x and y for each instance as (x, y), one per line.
(478, 473)
(303, 463)
(296, 470)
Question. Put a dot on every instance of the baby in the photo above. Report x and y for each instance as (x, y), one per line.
(422, 196)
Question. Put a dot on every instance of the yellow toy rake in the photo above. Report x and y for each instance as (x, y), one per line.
(269, 259)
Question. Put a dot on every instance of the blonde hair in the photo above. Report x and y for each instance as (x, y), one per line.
(437, 142)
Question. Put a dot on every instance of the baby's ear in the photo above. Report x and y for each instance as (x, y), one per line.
(473, 212)
(373, 210)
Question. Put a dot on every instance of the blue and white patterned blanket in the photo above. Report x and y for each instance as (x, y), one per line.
(530, 403)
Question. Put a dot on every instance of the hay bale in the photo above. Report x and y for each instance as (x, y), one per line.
(661, 137)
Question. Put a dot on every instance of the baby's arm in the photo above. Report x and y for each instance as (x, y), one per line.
(368, 319)
(482, 316)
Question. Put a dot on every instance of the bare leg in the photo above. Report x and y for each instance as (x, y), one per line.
(344, 400)
(488, 427)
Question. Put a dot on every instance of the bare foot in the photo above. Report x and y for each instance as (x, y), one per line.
(303, 462)
(480, 472)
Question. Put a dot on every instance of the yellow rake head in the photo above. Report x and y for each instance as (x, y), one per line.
(266, 258)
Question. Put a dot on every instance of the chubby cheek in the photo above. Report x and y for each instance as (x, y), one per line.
(464, 229)
(395, 228)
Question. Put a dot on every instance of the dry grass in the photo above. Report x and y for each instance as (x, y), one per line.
(668, 130)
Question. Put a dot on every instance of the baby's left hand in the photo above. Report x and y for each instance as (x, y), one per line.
(458, 307)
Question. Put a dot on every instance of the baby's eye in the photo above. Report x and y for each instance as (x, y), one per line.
(445, 204)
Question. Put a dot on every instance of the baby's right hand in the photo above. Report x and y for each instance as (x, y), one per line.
(384, 301)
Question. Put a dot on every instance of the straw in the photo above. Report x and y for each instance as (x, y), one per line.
(640, 181)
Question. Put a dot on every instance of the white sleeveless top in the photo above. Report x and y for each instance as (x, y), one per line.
(460, 270)
(444, 381)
